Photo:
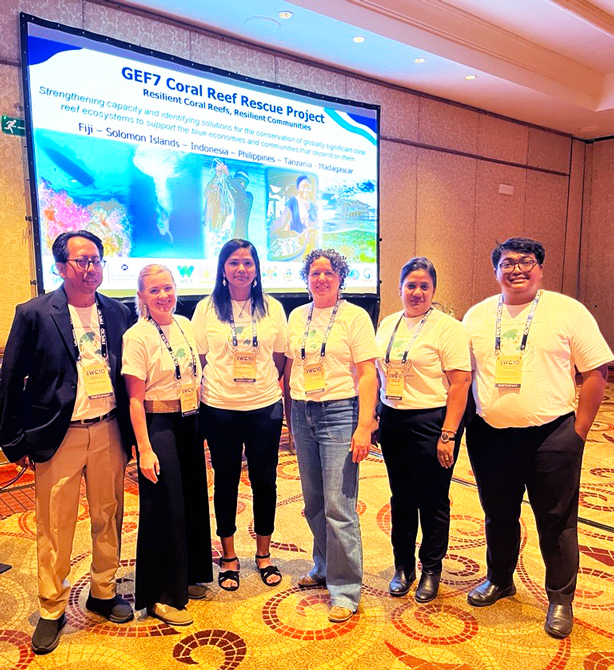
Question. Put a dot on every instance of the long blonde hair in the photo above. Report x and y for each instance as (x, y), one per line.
(148, 271)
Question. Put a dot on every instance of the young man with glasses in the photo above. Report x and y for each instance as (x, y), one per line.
(529, 432)
(63, 411)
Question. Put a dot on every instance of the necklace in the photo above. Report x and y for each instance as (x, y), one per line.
(242, 311)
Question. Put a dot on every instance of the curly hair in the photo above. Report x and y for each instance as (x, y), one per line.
(338, 263)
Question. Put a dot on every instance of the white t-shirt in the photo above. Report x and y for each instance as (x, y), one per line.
(146, 357)
(441, 346)
(214, 339)
(351, 341)
(563, 334)
(87, 331)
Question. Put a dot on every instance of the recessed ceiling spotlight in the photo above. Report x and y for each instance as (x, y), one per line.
(471, 77)
(419, 60)
(285, 15)
(359, 39)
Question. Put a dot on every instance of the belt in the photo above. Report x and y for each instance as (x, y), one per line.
(162, 406)
(97, 419)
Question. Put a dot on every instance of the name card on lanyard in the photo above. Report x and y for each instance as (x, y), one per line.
(508, 369)
(96, 376)
(395, 372)
(314, 379)
(188, 388)
(244, 362)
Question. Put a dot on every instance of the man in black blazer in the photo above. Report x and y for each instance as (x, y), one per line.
(64, 413)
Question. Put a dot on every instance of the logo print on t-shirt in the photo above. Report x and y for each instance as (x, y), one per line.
(513, 339)
(243, 336)
(181, 353)
(87, 343)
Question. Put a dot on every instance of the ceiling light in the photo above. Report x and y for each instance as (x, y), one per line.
(471, 77)
(419, 60)
(359, 39)
(285, 15)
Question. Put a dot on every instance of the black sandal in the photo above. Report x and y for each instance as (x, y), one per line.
(269, 571)
(226, 575)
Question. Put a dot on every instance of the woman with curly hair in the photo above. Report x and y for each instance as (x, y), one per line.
(333, 387)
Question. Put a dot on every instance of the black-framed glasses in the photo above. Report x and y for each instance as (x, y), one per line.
(84, 263)
(525, 264)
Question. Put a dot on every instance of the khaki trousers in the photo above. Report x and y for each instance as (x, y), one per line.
(95, 452)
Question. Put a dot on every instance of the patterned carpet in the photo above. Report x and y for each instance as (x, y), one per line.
(285, 627)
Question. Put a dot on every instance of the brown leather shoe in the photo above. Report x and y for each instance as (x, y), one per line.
(338, 614)
(307, 580)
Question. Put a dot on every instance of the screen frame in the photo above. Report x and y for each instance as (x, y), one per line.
(27, 19)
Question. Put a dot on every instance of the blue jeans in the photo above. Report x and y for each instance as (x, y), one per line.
(323, 433)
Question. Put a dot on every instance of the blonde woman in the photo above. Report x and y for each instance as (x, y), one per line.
(162, 372)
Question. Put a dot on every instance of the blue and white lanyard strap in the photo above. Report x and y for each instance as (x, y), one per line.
(103, 335)
(413, 339)
(326, 334)
(233, 330)
(172, 353)
(527, 325)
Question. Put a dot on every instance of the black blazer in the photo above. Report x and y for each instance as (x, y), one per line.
(38, 381)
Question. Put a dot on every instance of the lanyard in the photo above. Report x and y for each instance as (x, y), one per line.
(413, 339)
(233, 329)
(103, 335)
(326, 334)
(172, 353)
(527, 325)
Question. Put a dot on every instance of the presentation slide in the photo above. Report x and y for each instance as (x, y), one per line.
(166, 161)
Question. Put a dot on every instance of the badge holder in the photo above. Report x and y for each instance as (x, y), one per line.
(188, 399)
(244, 367)
(508, 372)
(313, 374)
(97, 381)
(395, 381)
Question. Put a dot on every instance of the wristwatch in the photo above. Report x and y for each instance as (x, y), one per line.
(447, 435)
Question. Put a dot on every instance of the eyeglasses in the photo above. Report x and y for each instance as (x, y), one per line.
(84, 263)
(525, 264)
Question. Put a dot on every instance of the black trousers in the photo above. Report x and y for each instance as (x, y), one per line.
(420, 486)
(226, 431)
(546, 461)
(174, 539)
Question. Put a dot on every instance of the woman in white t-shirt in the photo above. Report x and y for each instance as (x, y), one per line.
(333, 386)
(241, 338)
(425, 373)
(162, 373)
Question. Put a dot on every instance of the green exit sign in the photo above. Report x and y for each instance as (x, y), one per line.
(11, 126)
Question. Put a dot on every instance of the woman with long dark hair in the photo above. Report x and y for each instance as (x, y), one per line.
(241, 338)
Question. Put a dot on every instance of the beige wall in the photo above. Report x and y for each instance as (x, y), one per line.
(434, 202)
(597, 258)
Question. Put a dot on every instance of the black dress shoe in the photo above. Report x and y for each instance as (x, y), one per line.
(428, 587)
(559, 620)
(46, 635)
(115, 609)
(488, 593)
(401, 582)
